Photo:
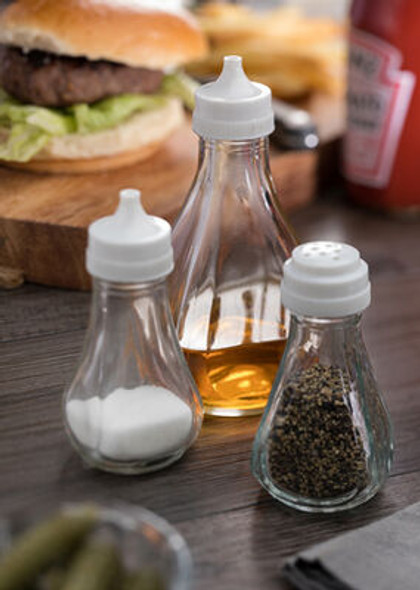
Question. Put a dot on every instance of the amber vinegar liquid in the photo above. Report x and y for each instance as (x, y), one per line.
(236, 381)
(234, 350)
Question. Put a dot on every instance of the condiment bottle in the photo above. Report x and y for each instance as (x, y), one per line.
(230, 241)
(383, 124)
(132, 406)
(324, 443)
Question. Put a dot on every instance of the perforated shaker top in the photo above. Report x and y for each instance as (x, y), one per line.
(326, 280)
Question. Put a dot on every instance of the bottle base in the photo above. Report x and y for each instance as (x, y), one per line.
(329, 505)
(231, 412)
(129, 467)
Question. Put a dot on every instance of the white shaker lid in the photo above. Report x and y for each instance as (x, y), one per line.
(326, 280)
(130, 245)
(233, 107)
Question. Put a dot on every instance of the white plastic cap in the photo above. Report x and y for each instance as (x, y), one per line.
(326, 280)
(233, 107)
(129, 246)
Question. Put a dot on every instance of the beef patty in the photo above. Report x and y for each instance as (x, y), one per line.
(51, 80)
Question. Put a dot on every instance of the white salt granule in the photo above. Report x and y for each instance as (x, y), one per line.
(130, 424)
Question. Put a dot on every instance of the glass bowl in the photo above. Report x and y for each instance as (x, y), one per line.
(143, 539)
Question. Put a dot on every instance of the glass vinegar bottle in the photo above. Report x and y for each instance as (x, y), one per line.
(132, 406)
(325, 441)
(230, 241)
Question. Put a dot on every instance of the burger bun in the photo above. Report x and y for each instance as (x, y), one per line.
(122, 31)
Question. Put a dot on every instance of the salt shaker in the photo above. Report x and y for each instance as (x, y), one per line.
(325, 441)
(132, 406)
(230, 242)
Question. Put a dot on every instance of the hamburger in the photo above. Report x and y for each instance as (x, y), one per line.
(87, 85)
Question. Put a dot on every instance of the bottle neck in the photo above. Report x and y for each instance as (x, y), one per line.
(241, 160)
(108, 289)
(349, 323)
(245, 148)
(328, 340)
(119, 311)
(113, 301)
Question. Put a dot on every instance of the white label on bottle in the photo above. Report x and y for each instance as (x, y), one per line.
(377, 103)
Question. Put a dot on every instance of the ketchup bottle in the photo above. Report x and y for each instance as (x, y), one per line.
(382, 142)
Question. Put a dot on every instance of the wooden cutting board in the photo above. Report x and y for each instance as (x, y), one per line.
(43, 218)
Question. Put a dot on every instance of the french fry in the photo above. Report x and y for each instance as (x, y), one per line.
(293, 54)
(224, 23)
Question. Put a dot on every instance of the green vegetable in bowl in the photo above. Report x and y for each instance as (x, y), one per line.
(96, 567)
(145, 579)
(42, 546)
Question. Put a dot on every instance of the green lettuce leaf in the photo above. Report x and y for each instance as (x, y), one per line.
(52, 121)
(111, 111)
(26, 129)
(182, 86)
(22, 143)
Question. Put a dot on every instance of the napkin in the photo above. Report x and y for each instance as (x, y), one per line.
(384, 555)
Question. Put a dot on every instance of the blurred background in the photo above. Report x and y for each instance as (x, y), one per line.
(296, 47)
(334, 8)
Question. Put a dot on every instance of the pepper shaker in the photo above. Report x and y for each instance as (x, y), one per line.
(325, 442)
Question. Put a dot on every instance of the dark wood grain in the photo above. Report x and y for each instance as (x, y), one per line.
(239, 536)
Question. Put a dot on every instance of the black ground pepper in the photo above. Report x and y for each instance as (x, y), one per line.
(315, 449)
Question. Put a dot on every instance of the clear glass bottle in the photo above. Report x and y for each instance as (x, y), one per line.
(132, 406)
(325, 441)
(230, 241)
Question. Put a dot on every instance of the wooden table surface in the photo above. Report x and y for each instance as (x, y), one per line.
(238, 534)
